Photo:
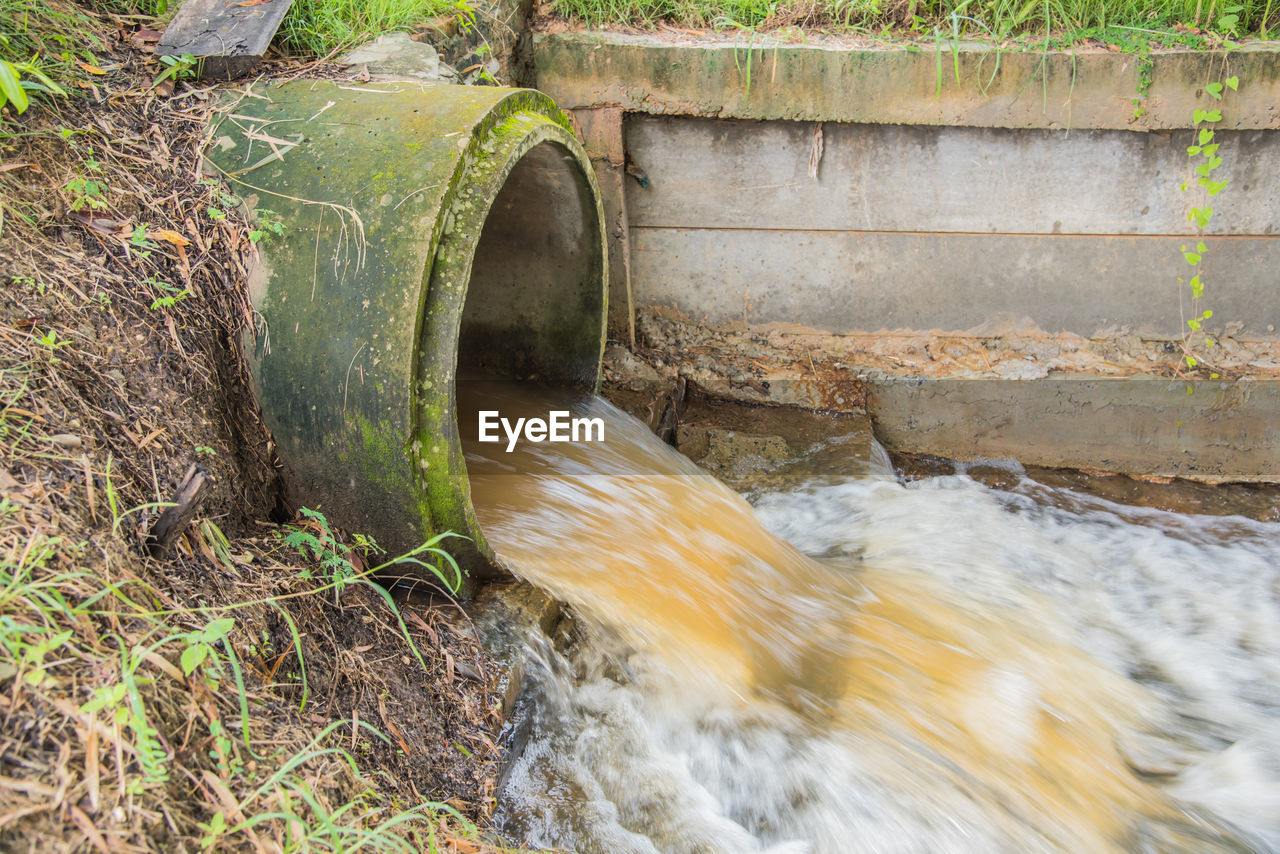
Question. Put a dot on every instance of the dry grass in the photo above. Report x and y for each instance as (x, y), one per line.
(213, 698)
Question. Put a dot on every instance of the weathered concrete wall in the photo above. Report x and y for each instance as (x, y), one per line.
(922, 227)
(854, 190)
(1004, 392)
(1030, 186)
(823, 80)
(1222, 431)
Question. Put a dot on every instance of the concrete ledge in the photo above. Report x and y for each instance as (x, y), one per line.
(899, 85)
(1013, 392)
(1220, 432)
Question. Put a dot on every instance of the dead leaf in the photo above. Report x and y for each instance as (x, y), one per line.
(9, 167)
(168, 235)
(92, 69)
(151, 437)
(468, 672)
(97, 223)
(191, 227)
(420, 623)
(396, 732)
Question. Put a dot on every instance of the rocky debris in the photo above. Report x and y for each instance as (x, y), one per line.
(733, 454)
(740, 442)
(396, 56)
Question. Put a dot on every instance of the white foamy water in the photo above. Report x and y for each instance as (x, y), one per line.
(1186, 608)
(966, 670)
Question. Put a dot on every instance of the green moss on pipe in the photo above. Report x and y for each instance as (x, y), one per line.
(385, 191)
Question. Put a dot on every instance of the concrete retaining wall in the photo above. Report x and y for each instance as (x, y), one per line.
(1027, 187)
(925, 227)
(849, 190)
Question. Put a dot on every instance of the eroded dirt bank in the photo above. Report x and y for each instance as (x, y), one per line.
(222, 687)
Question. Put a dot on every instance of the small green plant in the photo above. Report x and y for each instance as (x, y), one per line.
(1145, 64)
(213, 830)
(172, 293)
(1205, 151)
(51, 343)
(223, 752)
(138, 240)
(123, 704)
(1229, 22)
(266, 225)
(13, 89)
(199, 649)
(29, 283)
(87, 192)
(317, 542)
(335, 563)
(368, 544)
(753, 36)
(25, 648)
(223, 201)
(483, 56)
(177, 68)
(218, 543)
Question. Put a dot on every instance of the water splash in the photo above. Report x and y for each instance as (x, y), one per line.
(871, 666)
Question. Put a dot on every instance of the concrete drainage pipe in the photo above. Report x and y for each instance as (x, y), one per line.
(425, 227)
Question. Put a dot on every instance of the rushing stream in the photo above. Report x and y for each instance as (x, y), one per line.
(863, 665)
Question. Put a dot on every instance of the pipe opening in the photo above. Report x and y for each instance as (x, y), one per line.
(534, 303)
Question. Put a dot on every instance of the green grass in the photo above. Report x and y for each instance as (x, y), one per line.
(92, 648)
(320, 27)
(44, 28)
(55, 635)
(41, 42)
(999, 18)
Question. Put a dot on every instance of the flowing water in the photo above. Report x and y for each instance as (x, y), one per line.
(865, 665)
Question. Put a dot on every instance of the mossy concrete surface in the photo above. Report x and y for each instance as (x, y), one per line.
(384, 191)
(974, 85)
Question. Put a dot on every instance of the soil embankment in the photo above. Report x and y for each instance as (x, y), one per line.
(234, 684)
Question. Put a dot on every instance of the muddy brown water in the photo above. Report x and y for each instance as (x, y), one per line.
(867, 664)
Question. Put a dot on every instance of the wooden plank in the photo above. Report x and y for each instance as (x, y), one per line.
(228, 36)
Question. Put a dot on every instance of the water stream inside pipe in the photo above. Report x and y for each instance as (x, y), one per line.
(858, 664)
